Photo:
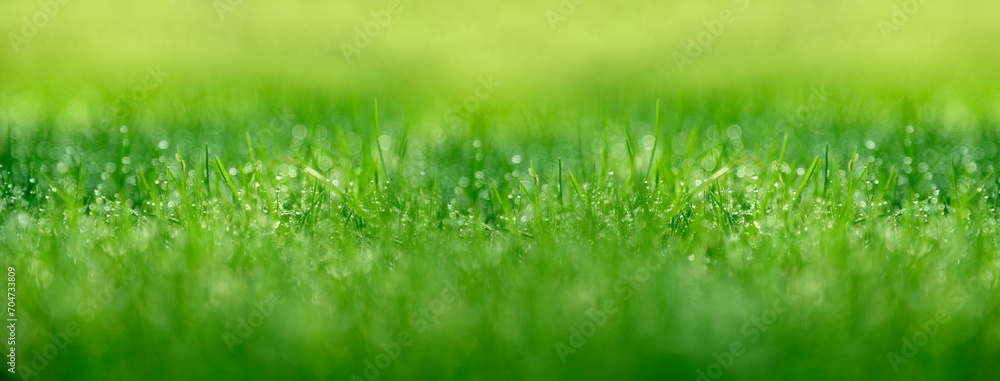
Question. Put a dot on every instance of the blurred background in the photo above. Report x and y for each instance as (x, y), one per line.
(69, 61)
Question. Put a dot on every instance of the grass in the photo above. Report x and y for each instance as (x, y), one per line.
(187, 195)
(491, 250)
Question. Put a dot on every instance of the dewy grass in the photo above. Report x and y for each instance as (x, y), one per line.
(809, 199)
(486, 270)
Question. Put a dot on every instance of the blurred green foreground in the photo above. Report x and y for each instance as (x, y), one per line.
(694, 190)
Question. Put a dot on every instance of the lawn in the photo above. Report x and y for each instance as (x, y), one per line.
(722, 190)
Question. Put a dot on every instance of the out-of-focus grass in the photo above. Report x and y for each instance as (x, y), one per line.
(437, 49)
(802, 156)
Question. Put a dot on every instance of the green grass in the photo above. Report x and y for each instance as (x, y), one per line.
(477, 195)
(489, 249)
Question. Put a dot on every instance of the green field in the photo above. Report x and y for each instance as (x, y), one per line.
(446, 190)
